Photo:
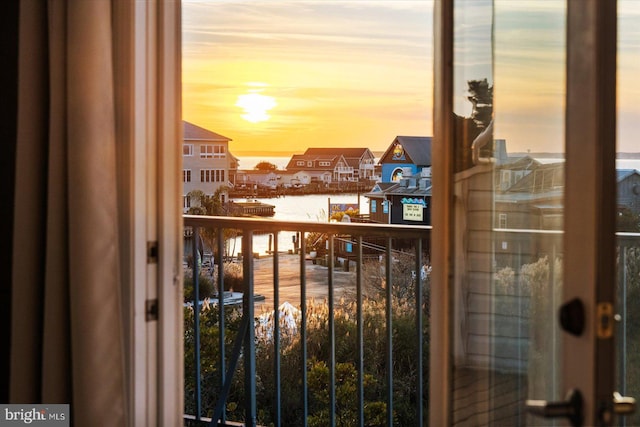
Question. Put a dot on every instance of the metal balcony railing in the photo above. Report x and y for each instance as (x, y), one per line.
(321, 387)
(342, 374)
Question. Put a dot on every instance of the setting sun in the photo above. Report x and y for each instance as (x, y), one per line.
(255, 106)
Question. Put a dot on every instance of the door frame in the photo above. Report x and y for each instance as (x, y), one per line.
(590, 197)
(590, 202)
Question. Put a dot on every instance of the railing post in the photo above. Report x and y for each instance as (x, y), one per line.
(276, 331)
(419, 329)
(622, 309)
(389, 318)
(332, 336)
(221, 319)
(196, 322)
(248, 311)
(360, 337)
(303, 328)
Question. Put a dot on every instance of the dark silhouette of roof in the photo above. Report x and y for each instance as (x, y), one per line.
(622, 174)
(417, 150)
(544, 177)
(346, 152)
(191, 132)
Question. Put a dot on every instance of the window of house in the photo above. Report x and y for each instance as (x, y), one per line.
(300, 163)
(212, 175)
(373, 206)
(505, 179)
(209, 151)
(186, 202)
(186, 175)
(396, 175)
(187, 149)
(325, 163)
(502, 220)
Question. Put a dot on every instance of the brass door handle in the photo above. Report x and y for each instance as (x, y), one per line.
(623, 405)
(570, 408)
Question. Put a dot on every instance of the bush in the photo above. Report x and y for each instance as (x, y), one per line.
(205, 285)
(318, 359)
(233, 278)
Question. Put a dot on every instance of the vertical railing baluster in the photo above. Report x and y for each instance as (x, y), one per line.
(276, 329)
(360, 324)
(303, 328)
(389, 319)
(332, 336)
(419, 329)
(248, 311)
(221, 320)
(196, 323)
(360, 334)
(622, 274)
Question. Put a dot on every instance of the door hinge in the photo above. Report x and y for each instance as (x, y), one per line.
(151, 310)
(152, 252)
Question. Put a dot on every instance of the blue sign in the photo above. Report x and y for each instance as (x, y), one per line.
(413, 201)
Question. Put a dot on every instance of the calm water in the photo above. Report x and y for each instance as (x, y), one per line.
(313, 207)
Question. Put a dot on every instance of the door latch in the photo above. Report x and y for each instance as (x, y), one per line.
(604, 320)
(571, 408)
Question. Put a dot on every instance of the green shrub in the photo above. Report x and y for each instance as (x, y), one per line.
(316, 366)
(205, 287)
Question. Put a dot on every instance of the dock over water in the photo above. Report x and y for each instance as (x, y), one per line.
(251, 208)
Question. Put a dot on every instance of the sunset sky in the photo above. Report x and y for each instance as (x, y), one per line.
(280, 76)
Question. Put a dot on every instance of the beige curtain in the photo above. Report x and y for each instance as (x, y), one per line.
(67, 338)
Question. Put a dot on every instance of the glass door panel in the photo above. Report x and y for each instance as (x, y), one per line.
(628, 205)
(508, 211)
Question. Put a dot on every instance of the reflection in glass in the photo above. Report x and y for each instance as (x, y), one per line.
(628, 201)
(509, 186)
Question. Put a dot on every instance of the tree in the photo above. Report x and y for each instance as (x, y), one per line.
(627, 220)
(207, 205)
(212, 206)
(481, 96)
(265, 166)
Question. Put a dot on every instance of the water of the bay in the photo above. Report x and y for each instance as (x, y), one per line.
(312, 207)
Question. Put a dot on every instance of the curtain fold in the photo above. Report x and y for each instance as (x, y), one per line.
(67, 344)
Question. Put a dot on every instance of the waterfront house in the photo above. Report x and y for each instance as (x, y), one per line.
(378, 205)
(361, 161)
(207, 164)
(324, 168)
(256, 179)
(405, 154)
(629, 190)
(407, 201)
(298, 179)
